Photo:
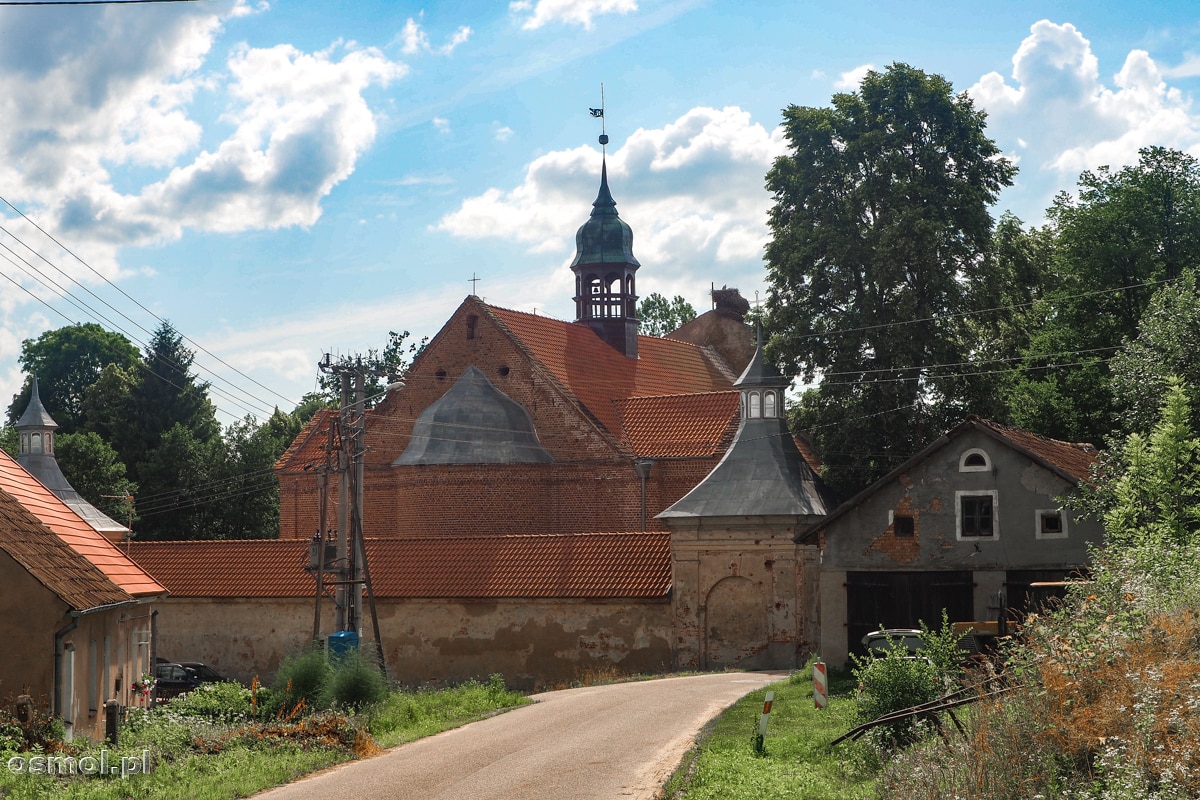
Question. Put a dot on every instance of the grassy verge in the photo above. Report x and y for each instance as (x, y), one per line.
(198, 759)
(798, 763)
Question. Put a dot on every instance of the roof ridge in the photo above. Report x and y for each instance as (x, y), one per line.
(1087, 447)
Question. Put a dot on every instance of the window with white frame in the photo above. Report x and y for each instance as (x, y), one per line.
(974, 460)
(975, 515)
(1050, 523)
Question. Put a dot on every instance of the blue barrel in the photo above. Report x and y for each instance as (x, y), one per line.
(342, 642)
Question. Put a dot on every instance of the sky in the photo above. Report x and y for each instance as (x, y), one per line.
(281, 179)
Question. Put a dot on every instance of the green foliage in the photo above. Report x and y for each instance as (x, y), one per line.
(356, 682)
(1125, 233)
(943, 648)
(225, 702)
(382, 367)
(880, 229)
(893, 683)
(1167, 344)
(797, 762)
(94, 469)
(67, 361)
(304, 678)
(1148, 493)
(658, 316)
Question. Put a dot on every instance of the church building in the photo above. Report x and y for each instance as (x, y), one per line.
(524, 493)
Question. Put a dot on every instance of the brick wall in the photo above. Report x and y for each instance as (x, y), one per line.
(590, 487)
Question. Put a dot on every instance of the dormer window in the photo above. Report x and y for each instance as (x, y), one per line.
(974, 460)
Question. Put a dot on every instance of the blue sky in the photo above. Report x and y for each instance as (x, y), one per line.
(284, 179)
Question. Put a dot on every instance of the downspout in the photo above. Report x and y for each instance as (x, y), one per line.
(59, 635)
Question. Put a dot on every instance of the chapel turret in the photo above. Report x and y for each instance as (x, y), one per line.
(604, 267)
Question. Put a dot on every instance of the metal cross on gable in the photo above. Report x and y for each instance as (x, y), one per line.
(474, 280)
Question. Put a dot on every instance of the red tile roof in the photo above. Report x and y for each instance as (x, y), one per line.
(78, 582)
(308, 449)
(589, 565)
(679, 426)
(1073, 459)
(73, 531)
(597, 375)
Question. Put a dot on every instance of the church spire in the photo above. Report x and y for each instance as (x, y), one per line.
(604, 267)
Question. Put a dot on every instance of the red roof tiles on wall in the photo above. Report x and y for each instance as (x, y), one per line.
(592, 565)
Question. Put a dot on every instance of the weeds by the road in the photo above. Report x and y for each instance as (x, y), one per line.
(219, 742)
(797, 763)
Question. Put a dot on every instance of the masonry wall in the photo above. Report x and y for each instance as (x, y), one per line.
(102, 653)
(743, 593)
(533, 643)
(591, 486)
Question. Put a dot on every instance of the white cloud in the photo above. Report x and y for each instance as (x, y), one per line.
(442, 124)
(572, 12)
(692, 191)
(414, 40)
(849, 81)
(503, 133)
(1060, 116)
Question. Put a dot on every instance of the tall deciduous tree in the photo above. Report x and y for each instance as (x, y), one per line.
(1167, 344)
(879, 231)
(67, 361)
(1124, 234)
(658, 316)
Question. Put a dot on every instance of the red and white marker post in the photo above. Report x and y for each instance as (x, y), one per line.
(760, 740)
(820, 685)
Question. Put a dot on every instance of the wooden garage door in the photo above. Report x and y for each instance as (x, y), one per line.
(903, 599)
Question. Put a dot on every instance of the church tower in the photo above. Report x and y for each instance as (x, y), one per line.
(36, 428)
(604, 267)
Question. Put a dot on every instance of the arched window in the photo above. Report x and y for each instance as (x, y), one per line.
(35, 443)
(471, 320)
(595, 299)
(974, 460)
(755, 409)
(769, 405)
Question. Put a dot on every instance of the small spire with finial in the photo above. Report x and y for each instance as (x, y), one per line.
(599, 112)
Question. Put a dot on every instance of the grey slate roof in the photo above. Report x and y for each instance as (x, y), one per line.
(44, 467)
(473, 423)
(762, 474)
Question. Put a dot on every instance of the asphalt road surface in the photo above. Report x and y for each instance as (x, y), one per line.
(601, 742)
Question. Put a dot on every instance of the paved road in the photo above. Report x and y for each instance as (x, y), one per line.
(601, 742)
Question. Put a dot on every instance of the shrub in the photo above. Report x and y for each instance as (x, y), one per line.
(356, 682)
(893, 683)
(303, 679)
(226, 702)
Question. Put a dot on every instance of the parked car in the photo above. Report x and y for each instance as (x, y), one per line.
(172, 680)
(203, 672)
(878, 643)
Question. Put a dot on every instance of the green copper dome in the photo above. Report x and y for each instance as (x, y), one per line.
(605, 238)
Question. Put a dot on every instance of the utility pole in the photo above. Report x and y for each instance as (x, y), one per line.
(350, 555)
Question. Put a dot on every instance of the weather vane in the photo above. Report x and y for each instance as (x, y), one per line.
(599, 112)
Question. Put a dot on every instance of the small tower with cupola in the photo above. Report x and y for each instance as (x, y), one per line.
(605, 268)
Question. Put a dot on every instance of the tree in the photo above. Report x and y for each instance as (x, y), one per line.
(67, 361)
(94, 469)
(658, 316)
(182, 494)
(1167, 344)
(1126, 233)
(880, 228)
(382, 367)
(1147, 492)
